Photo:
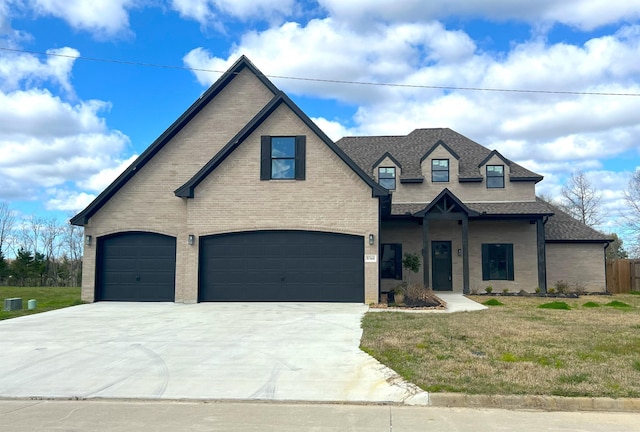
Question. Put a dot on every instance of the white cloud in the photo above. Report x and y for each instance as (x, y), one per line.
(583, 14)
(27, 69)
(47, 142)
(101, 17)
(103, 178)
(211, 12)
(68, 200)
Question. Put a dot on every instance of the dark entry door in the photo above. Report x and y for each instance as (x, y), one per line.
(282, 266)
(441, 264)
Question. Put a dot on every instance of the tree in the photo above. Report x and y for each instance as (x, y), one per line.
(632, 214)
(22, 266)
(581, 200)
(616, 250)
(7, 220)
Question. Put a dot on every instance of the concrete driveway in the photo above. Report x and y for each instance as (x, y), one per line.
(275, 351)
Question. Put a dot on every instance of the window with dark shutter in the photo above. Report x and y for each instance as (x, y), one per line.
(282, 157)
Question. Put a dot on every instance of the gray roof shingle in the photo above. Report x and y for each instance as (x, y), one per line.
(409, 150)
(559, 227)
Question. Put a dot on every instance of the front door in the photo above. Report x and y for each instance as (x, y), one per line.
(441, 265)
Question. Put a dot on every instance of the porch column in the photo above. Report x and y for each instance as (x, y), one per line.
(425, 250)
(542, 256)
(465, 254)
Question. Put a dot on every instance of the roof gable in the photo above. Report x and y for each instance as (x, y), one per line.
(442, 144)
(492, 154)
(383, 157)
(188, 189)
(446, 202)
(242, 63)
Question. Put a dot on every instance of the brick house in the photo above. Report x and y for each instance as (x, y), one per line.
(244, 198)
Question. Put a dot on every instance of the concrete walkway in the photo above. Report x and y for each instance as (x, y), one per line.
(161, 416)
(248, 351)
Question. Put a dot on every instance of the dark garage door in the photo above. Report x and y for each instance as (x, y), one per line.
(136, 266)
(282, 266)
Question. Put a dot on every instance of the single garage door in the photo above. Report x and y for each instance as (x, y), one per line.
(282, 266)
(136, 266)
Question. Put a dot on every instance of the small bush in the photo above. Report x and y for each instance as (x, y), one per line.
(561, 287)
(505, 291)
(551, 291)
(555, 305)
(538, 290)
(618, 304)
(579, 288)
(489, 289)
(591, 305)
(493, 302)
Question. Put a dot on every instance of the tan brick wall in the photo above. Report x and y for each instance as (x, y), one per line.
(520, 233)
(147, 202)
(332, 198)
(576, 263)
(467, 192)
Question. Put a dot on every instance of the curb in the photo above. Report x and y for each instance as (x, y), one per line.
(534, 402)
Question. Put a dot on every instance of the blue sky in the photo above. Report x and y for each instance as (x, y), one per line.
(68, 127)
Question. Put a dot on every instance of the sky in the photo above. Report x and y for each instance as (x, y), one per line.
(79, 99)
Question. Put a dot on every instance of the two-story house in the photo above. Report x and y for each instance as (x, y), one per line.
(244, 198)
(473, 217)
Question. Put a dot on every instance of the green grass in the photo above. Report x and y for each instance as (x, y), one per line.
(47, 298)
(591, 305)
(618, 304)
(555, 305)
(517, 348)
(493, 302)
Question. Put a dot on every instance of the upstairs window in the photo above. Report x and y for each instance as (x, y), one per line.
(495, 176)
(497, 261)
(439, 170)
(282, 158)
(391, 261)
(387, 178)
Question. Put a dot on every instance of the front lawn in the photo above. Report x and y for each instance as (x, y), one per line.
(591, 349)
(47, 298)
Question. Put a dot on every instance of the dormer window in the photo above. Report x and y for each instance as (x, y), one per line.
(495, 176)
(387, 177)
(440, 170)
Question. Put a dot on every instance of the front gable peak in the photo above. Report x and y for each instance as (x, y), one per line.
(442, 144)
(491, 155)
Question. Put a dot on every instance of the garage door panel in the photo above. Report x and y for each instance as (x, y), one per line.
(282, 266)
(136, 266)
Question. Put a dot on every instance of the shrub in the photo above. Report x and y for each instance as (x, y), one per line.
(555, 305)
(418, 295)
(579, 288)
(538, 290)
(505, 291)
(489, 289)
(561, 287)
(493, 302)
(618, 304)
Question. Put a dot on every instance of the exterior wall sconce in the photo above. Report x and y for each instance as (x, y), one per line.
(459, 252)
(372, 239)
(192, 239)
(87, 240)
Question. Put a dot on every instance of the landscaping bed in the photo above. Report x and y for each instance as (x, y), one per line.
(590, 347)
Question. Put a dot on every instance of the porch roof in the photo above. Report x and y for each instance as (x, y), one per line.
(533, 208)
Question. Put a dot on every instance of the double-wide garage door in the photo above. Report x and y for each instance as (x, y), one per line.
(282, 266)
(136, 266)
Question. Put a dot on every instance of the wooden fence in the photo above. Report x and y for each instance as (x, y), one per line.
(623, 276)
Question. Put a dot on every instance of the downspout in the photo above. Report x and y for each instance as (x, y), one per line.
(379, 248)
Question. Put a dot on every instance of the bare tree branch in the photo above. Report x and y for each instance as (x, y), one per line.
(581, 199)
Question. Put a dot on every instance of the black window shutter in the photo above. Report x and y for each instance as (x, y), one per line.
(485, 262)
(509, 253)
(398, 256)
(265, 157)
(301, 141)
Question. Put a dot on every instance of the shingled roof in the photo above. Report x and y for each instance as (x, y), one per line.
(408, 150)
(560, 226)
